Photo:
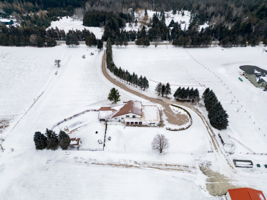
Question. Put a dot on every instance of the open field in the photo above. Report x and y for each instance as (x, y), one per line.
(55, 94)
(216, 68)
(128, 166)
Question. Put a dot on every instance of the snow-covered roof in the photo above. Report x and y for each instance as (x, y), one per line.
(134, 107)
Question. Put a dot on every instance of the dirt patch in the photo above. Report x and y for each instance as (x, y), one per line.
(217, 184)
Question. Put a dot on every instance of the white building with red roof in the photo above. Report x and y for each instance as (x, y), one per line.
(132, 113)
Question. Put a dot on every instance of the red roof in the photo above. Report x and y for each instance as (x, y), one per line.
(246, 194)
(106, 109)
(129, 107)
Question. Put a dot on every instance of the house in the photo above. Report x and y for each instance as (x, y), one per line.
(132, 113)
(245, 194)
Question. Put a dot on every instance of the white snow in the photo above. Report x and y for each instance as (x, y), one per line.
(181, 17)
(151, 114)
(71, 23)
(37, 95)
(216, 68)
(203, 26)
(78, 86)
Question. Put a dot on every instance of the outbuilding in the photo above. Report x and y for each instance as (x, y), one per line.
(245, 194)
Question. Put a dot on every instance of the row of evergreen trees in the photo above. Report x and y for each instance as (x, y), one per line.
(186, 94)
(25, 36)
(163, 90)
(50, 140)
(39, 37)
(217, 115)
(134, 79)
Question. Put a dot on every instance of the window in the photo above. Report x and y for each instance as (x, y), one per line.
(140, 123)
(133, 116)
(127, 116)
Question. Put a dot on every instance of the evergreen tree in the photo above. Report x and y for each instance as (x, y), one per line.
(52, 140)
(158, 89)
(167, 89)
(64, 140)
(163, 90)
(99, 44)
(114, 95)
(218, 117)
(90, 40)
(40, 141)
(71, 38)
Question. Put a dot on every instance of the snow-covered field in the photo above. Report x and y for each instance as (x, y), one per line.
(70, 23)
(216, 68)
(37, 95)
(181, 17)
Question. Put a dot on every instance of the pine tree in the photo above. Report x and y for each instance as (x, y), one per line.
(40, 141)
(114, 95)
(158, 89)
(64, 140)
(218, 117)
(99, 44)
(167, 89)
(52, 140)
(163, 90)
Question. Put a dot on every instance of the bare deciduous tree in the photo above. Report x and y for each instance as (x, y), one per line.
(160, 143)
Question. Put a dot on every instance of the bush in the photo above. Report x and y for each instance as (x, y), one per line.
(52, 140)
(40, 141)
(64, 140)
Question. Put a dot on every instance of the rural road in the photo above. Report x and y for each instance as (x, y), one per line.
(172, 118)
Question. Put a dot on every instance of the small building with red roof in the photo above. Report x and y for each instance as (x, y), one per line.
(245, 194)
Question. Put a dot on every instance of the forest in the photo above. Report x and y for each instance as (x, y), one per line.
(232, 22)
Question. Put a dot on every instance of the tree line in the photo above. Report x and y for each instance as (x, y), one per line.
(50, 140)
(186, 94)
(140, 81)
(217, 115)
(39, 37)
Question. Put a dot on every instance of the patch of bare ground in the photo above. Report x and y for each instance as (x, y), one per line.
(216, 184)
